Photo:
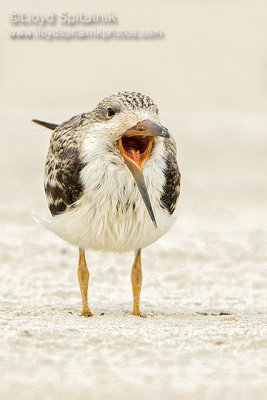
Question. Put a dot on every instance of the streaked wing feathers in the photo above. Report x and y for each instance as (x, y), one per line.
(171, 189)
(63, 186)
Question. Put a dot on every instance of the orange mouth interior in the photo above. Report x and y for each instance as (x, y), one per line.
(136, 148)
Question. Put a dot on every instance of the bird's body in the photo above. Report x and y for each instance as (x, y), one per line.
(109, 214)
(112, 181)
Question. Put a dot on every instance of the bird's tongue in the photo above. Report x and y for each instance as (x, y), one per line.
(137, 148)
(136, 156)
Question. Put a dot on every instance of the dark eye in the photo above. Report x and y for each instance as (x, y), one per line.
(111, 112)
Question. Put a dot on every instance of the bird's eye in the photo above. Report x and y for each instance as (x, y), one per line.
(111, 112)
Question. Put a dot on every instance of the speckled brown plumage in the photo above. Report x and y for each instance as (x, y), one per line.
(171, 189)
(63, 186)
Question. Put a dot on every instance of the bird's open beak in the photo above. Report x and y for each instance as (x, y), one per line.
(135, 146)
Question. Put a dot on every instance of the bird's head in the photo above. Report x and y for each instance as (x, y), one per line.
(127, 125)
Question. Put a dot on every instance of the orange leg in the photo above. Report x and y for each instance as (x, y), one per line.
(136, 279)
(83, 277)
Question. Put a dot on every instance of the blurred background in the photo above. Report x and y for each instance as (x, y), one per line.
(213, 56)
(208, 75)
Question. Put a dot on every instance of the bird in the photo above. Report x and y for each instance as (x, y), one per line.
(112, 182)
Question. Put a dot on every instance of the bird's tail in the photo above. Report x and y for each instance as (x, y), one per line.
(48, 125)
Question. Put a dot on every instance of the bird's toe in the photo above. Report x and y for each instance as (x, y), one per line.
(138, 314)
(86, 314)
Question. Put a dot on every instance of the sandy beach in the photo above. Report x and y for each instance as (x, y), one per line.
(204, 283)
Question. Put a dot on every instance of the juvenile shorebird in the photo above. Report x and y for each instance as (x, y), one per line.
(112, 182)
